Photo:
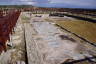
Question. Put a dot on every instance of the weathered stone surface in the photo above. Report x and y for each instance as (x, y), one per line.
(33, 53)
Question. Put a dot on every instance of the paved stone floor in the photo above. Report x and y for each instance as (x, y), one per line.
(37, 41)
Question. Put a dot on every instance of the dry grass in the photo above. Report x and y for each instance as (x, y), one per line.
(85, 29)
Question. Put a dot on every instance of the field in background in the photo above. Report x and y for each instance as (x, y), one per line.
(82, 28)
(85, 29)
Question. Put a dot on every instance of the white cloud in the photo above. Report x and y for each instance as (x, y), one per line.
(57, 1)
(29, 2)
(75, 2)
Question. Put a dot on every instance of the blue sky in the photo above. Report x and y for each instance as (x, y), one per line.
(53, 3)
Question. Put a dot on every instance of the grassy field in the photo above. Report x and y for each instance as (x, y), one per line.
(83, 28)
